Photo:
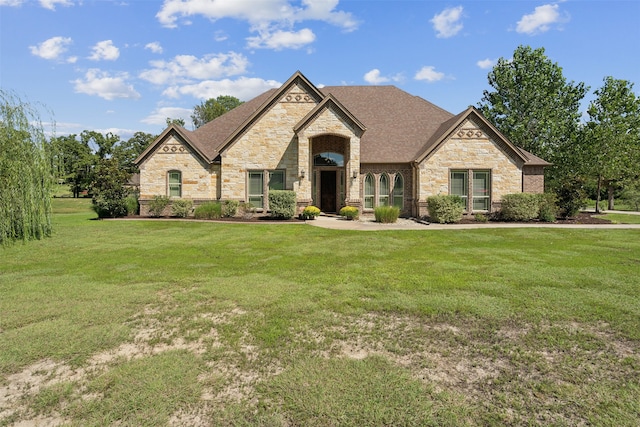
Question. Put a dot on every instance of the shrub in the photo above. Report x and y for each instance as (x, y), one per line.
(209, 210)
(571, 196)
(386, 214)
(445, 209)
(181, 208)
(480, 217)
(230, 208)
(157, 205)
(310, 212)
(132, 204)
(282, 203)
(520, 207)
(548, 208)
(350, 212)
(246, 210)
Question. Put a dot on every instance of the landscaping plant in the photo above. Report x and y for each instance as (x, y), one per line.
(350, 212)
(386, 214)
(445, 209)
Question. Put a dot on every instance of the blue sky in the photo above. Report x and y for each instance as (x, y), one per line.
(125, 66)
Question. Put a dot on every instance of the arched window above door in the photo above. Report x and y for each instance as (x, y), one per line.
(328, 159)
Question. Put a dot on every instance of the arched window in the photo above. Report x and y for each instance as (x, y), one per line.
(175, 183)
(383, 195)
(369, 192)
(328, 159)
(398, 191)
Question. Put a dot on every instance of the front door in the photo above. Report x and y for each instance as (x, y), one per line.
(328, 191)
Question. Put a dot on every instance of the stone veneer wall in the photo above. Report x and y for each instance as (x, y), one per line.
(330, 123)
(199, 181)
(392, 169)
(468, 148)
(269, 144)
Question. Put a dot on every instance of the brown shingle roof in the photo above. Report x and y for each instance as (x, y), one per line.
(398, 124)
(400, 127)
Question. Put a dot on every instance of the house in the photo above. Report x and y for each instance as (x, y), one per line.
(335, 146)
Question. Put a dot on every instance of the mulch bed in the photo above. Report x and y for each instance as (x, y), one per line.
(581, 218)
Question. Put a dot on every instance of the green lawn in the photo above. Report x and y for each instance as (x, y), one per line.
(190, 323)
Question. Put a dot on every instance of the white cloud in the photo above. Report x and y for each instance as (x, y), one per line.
(11, 3)
(51, 4)
(105, 50)
(429, 74)
(272, 20)
(447, 23)
(52, 48)
(243, 88)
(373, 77)
(159, 115)
(100, 83)
(186, 68)
(279, 39)
(486, 63)
(154, 47)
(540, 20)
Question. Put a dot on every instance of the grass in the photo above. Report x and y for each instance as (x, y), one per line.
(618, 218)
(184, 323)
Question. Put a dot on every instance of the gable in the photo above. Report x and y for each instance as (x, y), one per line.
(330, 117)
(291, 102)
(172, 141)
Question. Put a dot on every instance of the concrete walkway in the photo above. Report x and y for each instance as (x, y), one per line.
(368, 224)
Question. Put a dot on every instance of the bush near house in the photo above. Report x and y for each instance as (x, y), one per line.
(350, 212)
(282, 204)
(157, 205)
(445, 209)
(520, 207)
(209, 210)
(181, 208)
(386, 214)
(528, 206)
(310, 212)
(230, 208)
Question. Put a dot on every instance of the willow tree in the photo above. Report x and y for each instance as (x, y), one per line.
(25, 176)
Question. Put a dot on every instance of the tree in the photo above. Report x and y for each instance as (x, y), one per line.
(72, 161)
(611, 144)
(127, 151)
(171, 121)
(102, 145)
(212, 108)
(532, 103)
(108, 191)
(25, 172)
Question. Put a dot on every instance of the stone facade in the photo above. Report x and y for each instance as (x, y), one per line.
(468, 148)
(287, 129)
(199, 180)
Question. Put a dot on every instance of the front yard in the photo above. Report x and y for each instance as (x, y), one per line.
(191, 323)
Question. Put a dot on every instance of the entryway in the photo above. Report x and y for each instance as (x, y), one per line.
(328, 191)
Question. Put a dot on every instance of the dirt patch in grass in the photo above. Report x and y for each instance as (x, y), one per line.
(507, 373)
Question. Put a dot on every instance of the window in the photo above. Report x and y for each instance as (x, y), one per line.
(175, 184)
(369, 192)
(256, 193)
(383, 195)
(256, 189)
(460, 185)
(398, 191)
(276, 180)
(328, 159)
(481, 190)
